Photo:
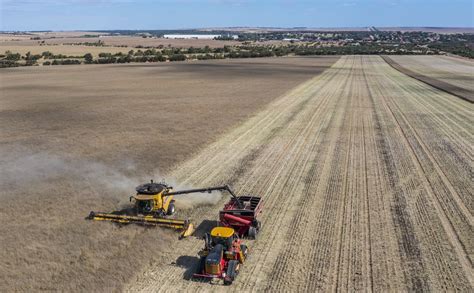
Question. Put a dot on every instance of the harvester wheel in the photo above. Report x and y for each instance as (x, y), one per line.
(171, 209)
(253, 232)
(231, 272)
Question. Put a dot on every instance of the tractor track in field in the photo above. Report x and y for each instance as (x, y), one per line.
(357, 192)
(432, 188)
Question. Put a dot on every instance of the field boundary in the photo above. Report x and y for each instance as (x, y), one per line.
(436, 83)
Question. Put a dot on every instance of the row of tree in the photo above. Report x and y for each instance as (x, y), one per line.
(246, 51)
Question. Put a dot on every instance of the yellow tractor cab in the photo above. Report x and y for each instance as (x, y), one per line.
(222, 255)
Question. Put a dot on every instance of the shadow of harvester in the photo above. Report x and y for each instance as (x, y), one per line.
(205, 227)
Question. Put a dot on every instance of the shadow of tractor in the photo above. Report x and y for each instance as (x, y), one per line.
(190, 264)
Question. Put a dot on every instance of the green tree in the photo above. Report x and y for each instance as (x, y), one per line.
(88, 58)
(13, 56)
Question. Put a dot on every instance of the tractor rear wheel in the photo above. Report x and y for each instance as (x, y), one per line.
(201, 265)
(253, 232)
(232, 270)
(244, 249)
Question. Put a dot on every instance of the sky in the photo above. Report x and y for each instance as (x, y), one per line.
(27, 15)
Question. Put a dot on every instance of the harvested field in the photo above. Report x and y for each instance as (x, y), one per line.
(68, 50)
(454, 75)
(366, 176)
(79, 138)
(365, 173)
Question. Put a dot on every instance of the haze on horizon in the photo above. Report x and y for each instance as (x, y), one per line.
(26, 15)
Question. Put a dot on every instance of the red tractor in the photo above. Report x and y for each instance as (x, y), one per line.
(222, 255)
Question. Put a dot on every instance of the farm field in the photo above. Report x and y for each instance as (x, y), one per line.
(128, 41)
(453, 74)
(80, 138)
(365, 175)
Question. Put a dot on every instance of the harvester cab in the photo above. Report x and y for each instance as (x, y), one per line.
(222, 255)
(153, 199)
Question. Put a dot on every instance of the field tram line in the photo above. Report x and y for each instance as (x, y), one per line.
(314, 252)
(446, 213)
(298, 229)
(267, 241)
(388, 270)
(423, 154)
(409, 250)
(442, 154)
(335, 186)
(347, 260)
(462, 147)
(432, 107)
(421, 211)
(321, 240)
(359, 273)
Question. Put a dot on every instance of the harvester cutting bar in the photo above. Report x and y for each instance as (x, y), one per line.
(183, 225)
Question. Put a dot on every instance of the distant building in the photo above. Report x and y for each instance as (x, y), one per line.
(204, 37)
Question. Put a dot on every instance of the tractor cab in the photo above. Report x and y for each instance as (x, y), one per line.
(224, 236)
(222, 255)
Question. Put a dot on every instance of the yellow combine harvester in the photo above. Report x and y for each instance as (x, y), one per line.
(153, 203)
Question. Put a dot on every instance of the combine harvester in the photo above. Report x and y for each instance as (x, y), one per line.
(154, 204)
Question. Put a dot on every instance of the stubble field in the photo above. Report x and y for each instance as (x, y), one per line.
(365, 173)
(80, 138)
(451, 74)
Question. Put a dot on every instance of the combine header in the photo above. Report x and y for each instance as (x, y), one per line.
(185, 226)
(153, 205)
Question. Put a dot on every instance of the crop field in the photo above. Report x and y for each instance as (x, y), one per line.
(454, 75)
(80, 138)
(365, 174)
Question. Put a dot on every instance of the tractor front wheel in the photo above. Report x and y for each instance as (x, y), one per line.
(232, 270)
(253, 232)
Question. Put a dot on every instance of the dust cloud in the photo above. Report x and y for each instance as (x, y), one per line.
(29, 168)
